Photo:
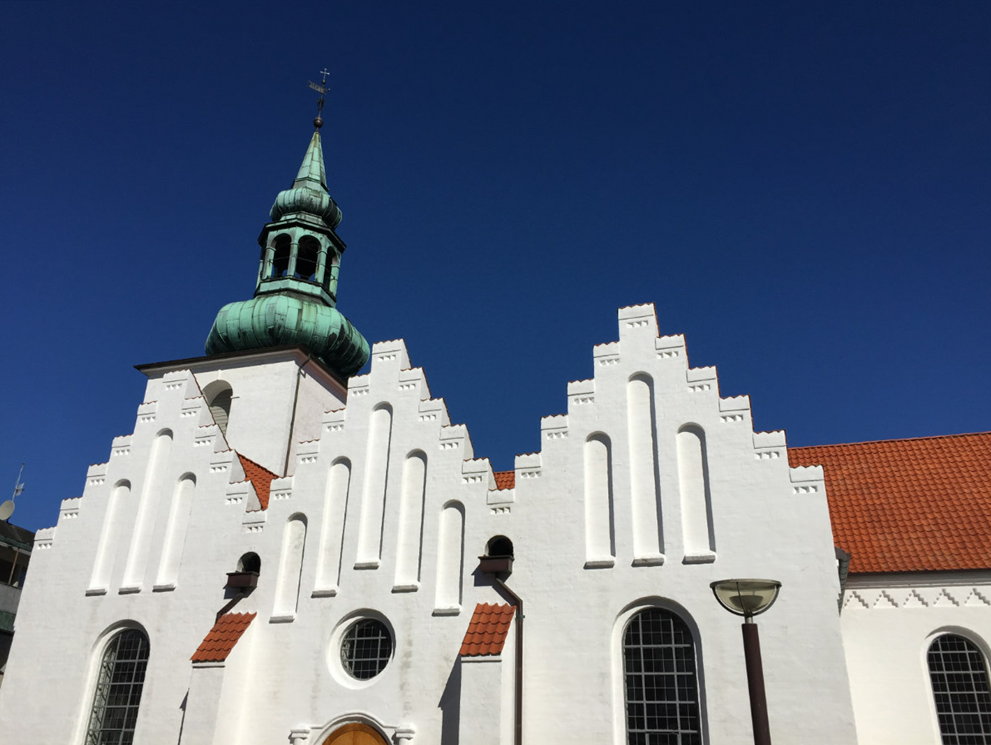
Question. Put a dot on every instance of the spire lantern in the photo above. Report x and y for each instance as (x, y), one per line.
(296, 286)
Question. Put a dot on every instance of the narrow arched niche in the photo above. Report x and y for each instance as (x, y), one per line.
(219, 396)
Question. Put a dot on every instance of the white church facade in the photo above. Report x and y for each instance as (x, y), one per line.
(286, 551)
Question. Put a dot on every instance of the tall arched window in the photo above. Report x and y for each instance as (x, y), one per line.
(118, 689)
(959, 675)
(662, 692)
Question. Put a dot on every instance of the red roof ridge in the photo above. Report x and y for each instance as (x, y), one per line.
(892, 439)
(487, 630)
(220, 639)
(256, 463)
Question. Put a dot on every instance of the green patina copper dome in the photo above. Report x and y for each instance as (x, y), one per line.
(284, 320)
(296, 290)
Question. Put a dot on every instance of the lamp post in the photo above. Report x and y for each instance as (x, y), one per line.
(748, 598)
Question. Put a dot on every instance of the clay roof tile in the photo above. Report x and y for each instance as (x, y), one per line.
(487, 630)
(260, 477)
(220, 640)
(908, 505)
(505, 479)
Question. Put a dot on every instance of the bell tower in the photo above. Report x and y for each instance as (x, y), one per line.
(296, 288)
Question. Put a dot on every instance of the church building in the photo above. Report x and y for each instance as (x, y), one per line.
(287, 551)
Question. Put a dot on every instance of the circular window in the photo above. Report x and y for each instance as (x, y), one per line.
(366, 648)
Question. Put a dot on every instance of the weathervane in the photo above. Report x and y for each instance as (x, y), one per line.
(320, 88)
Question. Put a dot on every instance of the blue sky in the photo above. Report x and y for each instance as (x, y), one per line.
(803, 189)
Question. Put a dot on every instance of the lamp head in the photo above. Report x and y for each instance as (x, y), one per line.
(746, 597)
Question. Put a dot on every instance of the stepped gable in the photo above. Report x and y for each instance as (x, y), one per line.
(220, 640)
(260, 477)
(487, 631)
(909, 505)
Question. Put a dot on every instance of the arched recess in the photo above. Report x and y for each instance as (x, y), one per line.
(144, 523)
(696, 499)
(332, 528)
(670, 649)
(290, 568)
(411, 505)
(175, 532)
(281, 250)
(219, 396)
(600, 536)
(107, 546)
(450, 559)
(373, 492)
(645, 495)
(306, 258)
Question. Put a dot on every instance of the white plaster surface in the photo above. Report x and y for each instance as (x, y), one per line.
(580, 581)
(888, 625)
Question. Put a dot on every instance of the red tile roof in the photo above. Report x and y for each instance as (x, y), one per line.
(505, 479)
(221, 639)
(260, 477)
(909, 505)
(486, 634)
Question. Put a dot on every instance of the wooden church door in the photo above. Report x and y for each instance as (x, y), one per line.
(355, 734)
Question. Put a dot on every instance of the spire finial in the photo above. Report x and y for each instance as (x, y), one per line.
(320, 88)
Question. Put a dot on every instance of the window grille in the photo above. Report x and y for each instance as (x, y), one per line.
(662, 698)
(959, 678)
(118, 690)
(366, 649)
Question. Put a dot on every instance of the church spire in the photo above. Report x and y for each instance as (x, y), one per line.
(296, 286)
(311, 173)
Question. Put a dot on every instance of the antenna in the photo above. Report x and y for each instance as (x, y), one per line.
(320, 88)
(18, 485)
(7, 508)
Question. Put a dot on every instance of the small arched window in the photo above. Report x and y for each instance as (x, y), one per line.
(959, 675)
(220, 407)
(499, 545)
(118, 689)
(250, 562)
(662, 693)
(280, 258)
(306, 259)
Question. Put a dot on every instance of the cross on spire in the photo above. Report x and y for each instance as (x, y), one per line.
(320, 88)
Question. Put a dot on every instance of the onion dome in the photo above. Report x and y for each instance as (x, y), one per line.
(308, 194)
(277, 320)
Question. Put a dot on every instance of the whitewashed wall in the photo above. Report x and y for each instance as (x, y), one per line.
(649, 488)
(888, 624)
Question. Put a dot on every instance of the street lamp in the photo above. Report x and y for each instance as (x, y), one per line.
(748, 598)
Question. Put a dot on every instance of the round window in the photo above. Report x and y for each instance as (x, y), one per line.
(366, 648)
